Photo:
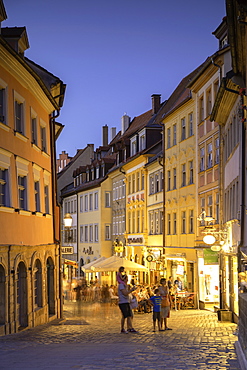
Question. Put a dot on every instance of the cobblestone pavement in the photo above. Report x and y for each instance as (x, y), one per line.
(89, 338)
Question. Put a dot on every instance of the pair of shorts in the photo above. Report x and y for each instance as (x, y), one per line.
(165, 312)
(156, 316)
(125, 309)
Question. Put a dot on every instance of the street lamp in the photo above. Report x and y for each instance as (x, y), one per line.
(67, 220)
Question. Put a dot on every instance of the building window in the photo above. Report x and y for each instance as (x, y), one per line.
(161, 181)
(209, 102)
(183, 129)
(86, 203)
(19, 117)
(142, 142)
(161, 222)
(168, 180)
(133, 146)
(168, 137)
(210, 155)
(4, 188)
(157, 182)
(156, 220)
(43, 138)
(96, 200)
(183, 222)
(3, 105)
(90, 202)
(168, 223)
(202, 159)
(81, 234)
(97, 172)
(107, 232)
(37, 196)
(191, 131)
(151, 183)
(174, 178)
(174, 134)
(92, 174)
(133, 222)
(133, 183)
(151, 223)
(34, 134)
(210, 206)
(201, 109)
(142, 183)
(107, 199)
(96, 232)
(38, 284)
(138, 181)
(91, 233)
(138, 222)
(86, 234)
(22, 191)
(81, 203)
(174, 223)
(217, 150)
(191, 221)
(217, 208)
(183, 175)
(191, 172)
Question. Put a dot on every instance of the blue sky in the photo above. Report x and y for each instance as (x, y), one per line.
(114, 54)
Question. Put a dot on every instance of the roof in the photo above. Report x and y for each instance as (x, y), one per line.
(179, 96)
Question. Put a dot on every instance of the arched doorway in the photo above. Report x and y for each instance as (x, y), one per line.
(50, 286)
(22, 295)
(2, 296)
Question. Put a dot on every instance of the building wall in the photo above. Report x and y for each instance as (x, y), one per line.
(29, 259)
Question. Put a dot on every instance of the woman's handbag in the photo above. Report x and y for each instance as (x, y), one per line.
(133, 303)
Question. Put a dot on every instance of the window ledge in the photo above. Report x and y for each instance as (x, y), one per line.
(46, 215)
(4, 127)
(45, 154)
(36, 147)
(24, 213)
(7, 209)
(20, 136)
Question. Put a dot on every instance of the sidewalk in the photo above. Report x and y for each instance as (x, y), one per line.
(89, 338)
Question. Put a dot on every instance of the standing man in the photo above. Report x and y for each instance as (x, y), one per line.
(165, 304)
(123, 302)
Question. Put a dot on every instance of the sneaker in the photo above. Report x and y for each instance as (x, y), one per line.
(124, 331)
(168, 329)
(132, 330)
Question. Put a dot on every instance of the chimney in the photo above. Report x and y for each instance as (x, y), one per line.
(155, 103)
(113, 132)
(105, 135)
(125, 123)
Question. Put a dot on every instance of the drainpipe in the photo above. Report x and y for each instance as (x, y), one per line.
(242, 205)
(55, 204)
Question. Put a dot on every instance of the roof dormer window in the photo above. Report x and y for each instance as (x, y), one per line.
(133, 145)
(142, 140)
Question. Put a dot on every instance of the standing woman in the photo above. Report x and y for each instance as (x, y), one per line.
(165, 304)
(123, 302)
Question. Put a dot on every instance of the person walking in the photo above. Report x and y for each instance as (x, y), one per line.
(123, 303)
(165, 304)
(156, 303)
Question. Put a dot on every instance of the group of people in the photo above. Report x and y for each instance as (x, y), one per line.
(160, 300)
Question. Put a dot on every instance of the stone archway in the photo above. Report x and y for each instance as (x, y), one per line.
(2, 296)
(22, 295)
(50, 286)
(38, 293)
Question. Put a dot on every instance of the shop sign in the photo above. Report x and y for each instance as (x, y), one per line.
(67, 250)
(210, 257)
(135, 240)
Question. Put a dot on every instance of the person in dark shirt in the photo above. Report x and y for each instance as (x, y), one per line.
(156, 303)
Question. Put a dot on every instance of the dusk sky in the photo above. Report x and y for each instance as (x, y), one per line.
(114, 54)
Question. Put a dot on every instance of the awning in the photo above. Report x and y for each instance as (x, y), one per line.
(70, 263)
(114, 262)
(87, 267)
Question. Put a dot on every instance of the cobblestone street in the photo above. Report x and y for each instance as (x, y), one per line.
(89, 338)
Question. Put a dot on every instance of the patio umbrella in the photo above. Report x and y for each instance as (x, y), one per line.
(87, 267)
(114, 262)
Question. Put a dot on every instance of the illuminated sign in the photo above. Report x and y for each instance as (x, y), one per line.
(67, 250)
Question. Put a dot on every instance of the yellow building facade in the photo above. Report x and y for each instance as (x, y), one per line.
(29, 239)
(180, 192)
